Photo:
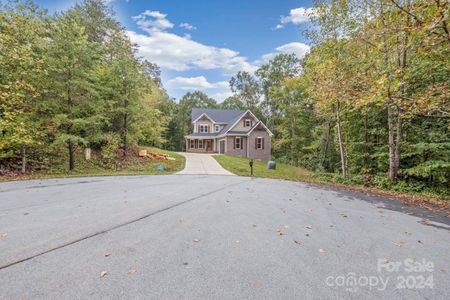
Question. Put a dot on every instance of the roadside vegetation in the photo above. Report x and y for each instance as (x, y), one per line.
(240, 166)
(102, 165)
(421, 195)
(368, 105)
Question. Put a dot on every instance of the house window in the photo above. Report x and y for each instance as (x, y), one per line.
(238, 143)
(192, 144)
(216, 128)
(259, 143)
(200, 144)
(204, 128)
(247, 123)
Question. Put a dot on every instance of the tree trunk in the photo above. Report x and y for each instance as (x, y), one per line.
(327, 143)
(366, 136)
(125, 133)
(392, 147)
(341, 144)
(71, 155)
(292, 140)
(398, 142)
(23, 150)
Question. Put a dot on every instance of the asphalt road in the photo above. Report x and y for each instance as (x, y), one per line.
(214, 237)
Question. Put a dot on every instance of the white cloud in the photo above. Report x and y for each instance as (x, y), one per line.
(152, 21)
(222, 96)
(296, 48)
(187, 26)
(195, 83)
(180, 53)
(296, 16)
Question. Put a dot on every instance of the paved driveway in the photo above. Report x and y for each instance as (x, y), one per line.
(202, 164)
(212, 237)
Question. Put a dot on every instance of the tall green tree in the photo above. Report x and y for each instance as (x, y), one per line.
(72, 95)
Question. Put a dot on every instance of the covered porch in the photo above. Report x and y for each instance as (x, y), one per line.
(200, 144)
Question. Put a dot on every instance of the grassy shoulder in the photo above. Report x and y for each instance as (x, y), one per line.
(131, 164)
(240, 166)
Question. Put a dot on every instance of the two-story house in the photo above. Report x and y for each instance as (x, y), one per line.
(232, 132)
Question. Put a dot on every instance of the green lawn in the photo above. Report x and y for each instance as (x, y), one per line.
(240, 166)
(132, 165)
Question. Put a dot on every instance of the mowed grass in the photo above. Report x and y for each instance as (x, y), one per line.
(240, 166)
(131, 165)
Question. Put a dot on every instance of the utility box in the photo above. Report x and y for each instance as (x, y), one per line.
(271, 165)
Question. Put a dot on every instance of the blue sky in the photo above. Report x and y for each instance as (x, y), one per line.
(200, 44)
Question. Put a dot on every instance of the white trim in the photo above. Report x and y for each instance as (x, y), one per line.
(265, 127)
(259, 138)
(248, 146)
(235, 123)
(207, 128)
(215, 128)
(240, 142)
(203, 114)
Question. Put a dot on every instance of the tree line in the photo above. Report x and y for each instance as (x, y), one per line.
(70, 81)
(369, 104)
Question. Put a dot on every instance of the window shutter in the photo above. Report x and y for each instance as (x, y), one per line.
(262, 141)
(256, 143)
(234, 143)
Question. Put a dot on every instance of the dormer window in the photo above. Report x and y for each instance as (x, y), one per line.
(247, 123)
(216, 128)
(203, 128)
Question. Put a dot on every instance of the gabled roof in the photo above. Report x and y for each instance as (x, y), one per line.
(217, 115)
(264, 126)
(230, 125)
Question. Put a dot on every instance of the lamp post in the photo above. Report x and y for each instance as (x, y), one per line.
(251, 167)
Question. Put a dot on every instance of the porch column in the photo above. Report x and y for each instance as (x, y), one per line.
(187, 144)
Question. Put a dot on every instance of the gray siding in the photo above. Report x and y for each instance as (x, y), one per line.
(263, 154)
(231, 150)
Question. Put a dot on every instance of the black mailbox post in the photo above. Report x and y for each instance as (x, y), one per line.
(251, 166)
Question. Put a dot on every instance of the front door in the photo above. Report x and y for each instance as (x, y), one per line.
(222, 147)
(208, 146)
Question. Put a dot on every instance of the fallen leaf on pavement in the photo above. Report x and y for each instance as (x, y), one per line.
(400, 244)
(108, 254)
(103, 274)
(442, 270)
(321, 251)
(419, 241)
(344, 216)
(308, 227)
(3, 235)
(423, 221)
(297, 242)
(257, 285)
(408, 233)
(286, 226)
(196, 240)
(307, 234)
(132, 271)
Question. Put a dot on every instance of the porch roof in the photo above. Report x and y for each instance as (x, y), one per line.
(202, 135)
